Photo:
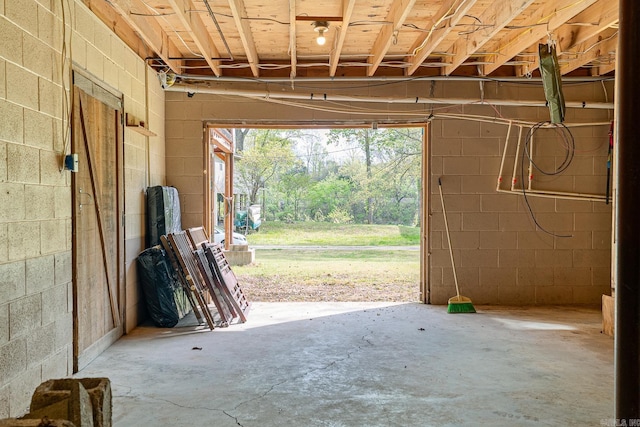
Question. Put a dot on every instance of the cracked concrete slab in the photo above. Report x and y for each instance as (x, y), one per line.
(366, 364)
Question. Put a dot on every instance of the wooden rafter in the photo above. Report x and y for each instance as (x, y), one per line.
(587, 24)
(292, 37)
(244, 28)
(590, 50)
(150, 31)
(347, 11)
(447, 17)
(397, 14)
(198, 32)
(498, 14)
(548, 17)
(603, 69)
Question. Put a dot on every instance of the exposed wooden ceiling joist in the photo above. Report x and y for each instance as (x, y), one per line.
(587, 24)
(184, 10)
(590, 50)
(347, 11)
(385, 38)
(240, 18)
(396, 17)
(150, 31)
(548, 17)
(447, 17)
(499, 14)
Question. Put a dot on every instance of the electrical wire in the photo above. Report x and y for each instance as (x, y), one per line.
(67, 94)
(569, 144)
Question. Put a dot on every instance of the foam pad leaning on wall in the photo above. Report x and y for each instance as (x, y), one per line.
(163, 213)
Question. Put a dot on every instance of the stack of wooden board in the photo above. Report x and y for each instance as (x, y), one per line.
(206, 276)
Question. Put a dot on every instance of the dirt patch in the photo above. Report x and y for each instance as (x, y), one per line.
(278, 290)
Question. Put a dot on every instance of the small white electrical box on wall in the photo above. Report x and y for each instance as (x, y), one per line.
(71, 162)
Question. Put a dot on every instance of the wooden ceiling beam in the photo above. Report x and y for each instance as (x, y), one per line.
(347, 11)
(498, 14)
(293, 38)
(590, 50)
(603, 69)
(195, 26)
(397, 14)
(549, 16)
(445, 19)
(150, 31)
(244, 28)
(587, 24)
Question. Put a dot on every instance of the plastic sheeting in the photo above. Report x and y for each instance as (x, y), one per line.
(163, 213)
(165, 298)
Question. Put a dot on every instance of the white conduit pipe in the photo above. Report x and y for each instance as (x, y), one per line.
(557, 195)
(504, 155)
(515, 161)
(380, 100)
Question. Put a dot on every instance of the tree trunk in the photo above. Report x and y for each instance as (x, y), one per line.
(367, 155)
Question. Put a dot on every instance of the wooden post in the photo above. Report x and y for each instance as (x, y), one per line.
(627, 226)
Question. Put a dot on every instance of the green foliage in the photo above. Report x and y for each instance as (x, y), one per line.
(267, 153)
(339, 216)
(379, 183)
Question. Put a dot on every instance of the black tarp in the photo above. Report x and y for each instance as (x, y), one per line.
(165, 299)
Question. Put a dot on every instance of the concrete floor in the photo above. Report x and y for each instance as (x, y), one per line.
(367, 364)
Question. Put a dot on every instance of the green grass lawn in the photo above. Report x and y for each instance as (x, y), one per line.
(323, 233)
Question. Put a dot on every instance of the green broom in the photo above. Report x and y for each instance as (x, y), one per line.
(458, 303)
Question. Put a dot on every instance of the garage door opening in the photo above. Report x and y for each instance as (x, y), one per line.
(332, 214)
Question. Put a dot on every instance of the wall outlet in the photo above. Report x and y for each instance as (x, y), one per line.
(71, 162)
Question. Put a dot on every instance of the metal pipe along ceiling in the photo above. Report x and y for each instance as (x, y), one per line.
(319, 96)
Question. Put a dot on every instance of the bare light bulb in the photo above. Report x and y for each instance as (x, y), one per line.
(321, 39)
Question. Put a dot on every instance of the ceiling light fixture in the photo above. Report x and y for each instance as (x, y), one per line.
(321, 27)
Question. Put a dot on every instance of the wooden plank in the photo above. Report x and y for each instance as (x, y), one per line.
(244, 28)
(223, 305)
(347, 11)
(227, 280)
(397, 14)
(292, 37)
(195, 27)
(552, 14)
(150, 31)
(587, 24)
(498, 14)
(181, 249)
(608, 315)
(445, 19)
(113, 301)
(603, 69)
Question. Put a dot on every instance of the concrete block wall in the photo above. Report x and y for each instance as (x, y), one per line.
(500, 256)
(185, 156)
(36, 293)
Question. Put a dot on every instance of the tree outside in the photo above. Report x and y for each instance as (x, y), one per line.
(362, 176)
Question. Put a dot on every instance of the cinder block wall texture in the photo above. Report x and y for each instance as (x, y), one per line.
(501, 257)
(36, 300)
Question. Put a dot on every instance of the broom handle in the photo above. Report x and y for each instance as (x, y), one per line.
(446, 227)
